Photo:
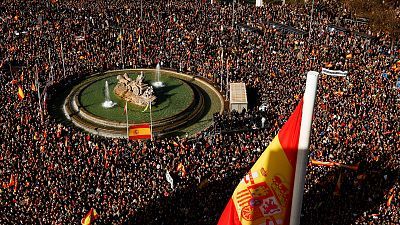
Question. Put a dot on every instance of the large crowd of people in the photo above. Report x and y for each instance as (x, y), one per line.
(59, 172)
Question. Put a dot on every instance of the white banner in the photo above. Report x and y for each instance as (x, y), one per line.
(336, 73)
(169, 179)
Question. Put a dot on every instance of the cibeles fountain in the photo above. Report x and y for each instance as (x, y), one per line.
(134, 91)
(107, 100)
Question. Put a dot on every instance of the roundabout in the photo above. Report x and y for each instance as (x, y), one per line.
(183, 105)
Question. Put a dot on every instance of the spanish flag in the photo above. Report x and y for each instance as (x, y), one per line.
(182, 169)
(21, 94)
(120, 37)
(389, 201)
(33, 87)
(16, 184)
(10, 183)
(90, 217)
(264, 195)
(321, 163)
(139, 131)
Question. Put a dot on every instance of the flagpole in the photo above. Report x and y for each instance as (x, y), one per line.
(38, 92)
(38, 88)
(151, 124)
(304, 141)
(227, 80)
(62, 56)
(51, 67)
(127, 123)
(122, 56)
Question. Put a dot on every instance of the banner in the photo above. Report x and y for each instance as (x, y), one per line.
(335, 73)
(169, 179)
(331, 164)
(321, 163)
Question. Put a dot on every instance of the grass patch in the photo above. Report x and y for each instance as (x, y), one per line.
(212, 105)
(172, 99)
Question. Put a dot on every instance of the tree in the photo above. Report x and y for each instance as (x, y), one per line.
(383, 15)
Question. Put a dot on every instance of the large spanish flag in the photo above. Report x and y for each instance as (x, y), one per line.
(264, 195)
(90, 217)
(139, 131)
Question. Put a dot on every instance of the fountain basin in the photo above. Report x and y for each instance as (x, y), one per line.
(181, 106)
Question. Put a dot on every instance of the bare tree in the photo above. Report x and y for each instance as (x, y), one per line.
(384, 15)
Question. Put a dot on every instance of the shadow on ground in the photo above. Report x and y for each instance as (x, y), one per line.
(195, 206)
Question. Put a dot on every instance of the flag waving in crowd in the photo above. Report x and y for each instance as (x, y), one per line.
(21, 94)
(90, 217)
(265, 193)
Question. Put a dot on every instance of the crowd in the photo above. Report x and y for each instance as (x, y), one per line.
(60, 172)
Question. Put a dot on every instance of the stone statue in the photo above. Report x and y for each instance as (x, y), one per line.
(148, 93)
(139, 79)
(135, 92)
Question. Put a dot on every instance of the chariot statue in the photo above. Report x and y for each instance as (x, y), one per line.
(134, 91)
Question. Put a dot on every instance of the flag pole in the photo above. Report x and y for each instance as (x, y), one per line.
(151, 124)
(122, 54)
(304, 141)
(62, 57)
(127, 123)
(38, 93)
(227, 80)
(38, 86)
(51, 67)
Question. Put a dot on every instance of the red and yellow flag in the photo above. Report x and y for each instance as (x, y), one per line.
(16, 184)
(322, 163)
(264, 195)
(21, 94)
(10, 183)
(139, 131)
(33, 87)
(182, 169)
(90, 217)
(389, 201)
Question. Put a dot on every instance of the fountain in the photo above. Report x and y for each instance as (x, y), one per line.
(157, 83)
(107, 101)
